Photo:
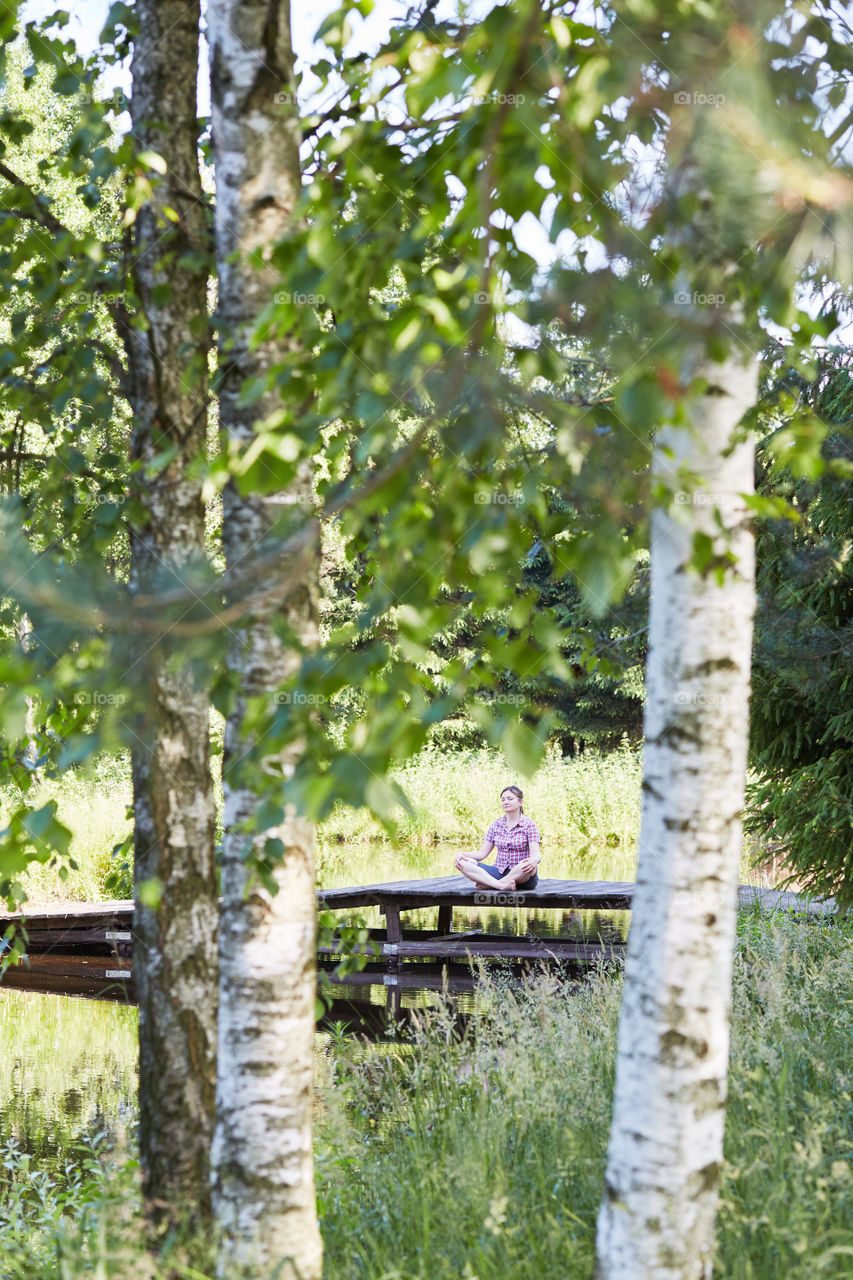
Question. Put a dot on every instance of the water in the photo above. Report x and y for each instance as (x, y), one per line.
(67, 1073)
(68, 1065)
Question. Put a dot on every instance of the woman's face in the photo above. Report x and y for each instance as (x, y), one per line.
(510, 802)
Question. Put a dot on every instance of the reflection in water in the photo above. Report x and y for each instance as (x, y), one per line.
(67, 1073)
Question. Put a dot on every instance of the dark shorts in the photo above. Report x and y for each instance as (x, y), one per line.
(499, 875)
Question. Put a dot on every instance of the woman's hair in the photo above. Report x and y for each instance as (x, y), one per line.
(516, 791)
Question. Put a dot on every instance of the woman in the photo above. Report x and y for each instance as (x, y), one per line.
(517, 840)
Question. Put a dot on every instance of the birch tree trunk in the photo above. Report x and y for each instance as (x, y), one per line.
(657, 1215)
(175, 943)
(26, 640)
(262, 1154)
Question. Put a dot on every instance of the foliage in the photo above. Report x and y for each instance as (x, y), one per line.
(802, 715)
(96, 812)
(469, 411)
(479, 409)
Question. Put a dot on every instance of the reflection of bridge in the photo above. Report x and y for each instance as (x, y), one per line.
(87, 948)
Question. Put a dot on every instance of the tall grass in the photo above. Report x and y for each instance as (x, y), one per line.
(484, 1158)
(481, 1156)
(455, 795)
(94, 808)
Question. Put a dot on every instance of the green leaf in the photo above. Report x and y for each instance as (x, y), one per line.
(522, 748)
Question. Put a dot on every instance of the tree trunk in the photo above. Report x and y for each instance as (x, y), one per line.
(30, 754)
(175, 942)
(262, 1154)
(666, 1142)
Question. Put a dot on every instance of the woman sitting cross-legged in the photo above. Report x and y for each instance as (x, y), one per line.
(517, 841)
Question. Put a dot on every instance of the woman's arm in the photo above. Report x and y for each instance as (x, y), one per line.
(531, 862)
(485, 849)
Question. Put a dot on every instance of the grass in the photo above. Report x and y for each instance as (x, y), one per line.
(481, 1156)
(485, 1158)
(94, 808)
(456, 795)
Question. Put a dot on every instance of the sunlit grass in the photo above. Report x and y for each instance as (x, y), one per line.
(94, 808)
(455, 795)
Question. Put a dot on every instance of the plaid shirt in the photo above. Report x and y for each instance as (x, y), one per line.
(513, 843)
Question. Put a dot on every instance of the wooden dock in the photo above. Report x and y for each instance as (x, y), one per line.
(87, 948)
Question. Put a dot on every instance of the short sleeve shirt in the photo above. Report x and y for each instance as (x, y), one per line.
(512, 843)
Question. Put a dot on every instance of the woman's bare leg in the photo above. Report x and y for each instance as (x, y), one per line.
(471, 869)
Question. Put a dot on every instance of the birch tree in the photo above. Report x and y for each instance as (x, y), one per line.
(717, 210)
(667, 1132)
(175, 917)
(262, 1154)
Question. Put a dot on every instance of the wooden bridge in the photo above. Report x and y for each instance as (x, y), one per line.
(87, 948)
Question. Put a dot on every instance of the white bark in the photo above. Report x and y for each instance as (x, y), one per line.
(658, 1212)
(263, 1188)
(26, 640)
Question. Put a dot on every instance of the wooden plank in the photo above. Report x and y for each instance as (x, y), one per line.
(751, 896)
(393, 931)
(69, 939)
(102, 967)
(61, 917)
(84, 985)
(408, 981)
(456, 891)
(491, 947)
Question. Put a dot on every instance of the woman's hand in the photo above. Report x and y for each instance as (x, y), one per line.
(524, 870)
